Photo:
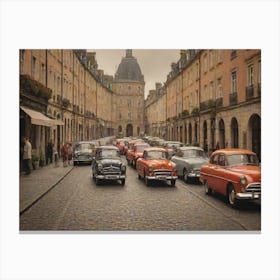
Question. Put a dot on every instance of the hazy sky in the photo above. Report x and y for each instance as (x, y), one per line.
(154, 64)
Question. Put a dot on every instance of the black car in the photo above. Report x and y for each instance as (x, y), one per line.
(83, 152)
(107, 165)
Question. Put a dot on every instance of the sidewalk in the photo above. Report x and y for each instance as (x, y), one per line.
(39, 182)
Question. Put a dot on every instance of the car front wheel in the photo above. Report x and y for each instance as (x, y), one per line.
(207, 190)
(232, 196)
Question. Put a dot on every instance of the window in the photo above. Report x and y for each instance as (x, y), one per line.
(211, 90)
(250, 75)
(205, 63)
(197, 71)
(219, 88)
(129, 115)
(211, 60)
(219, 56)
(233, 81)
(43, 69)
(33, 65)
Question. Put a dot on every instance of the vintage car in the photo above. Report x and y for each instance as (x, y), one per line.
(136, 152)
(188, 161)
(234, 173)
(171, 147)
(108, 165)
(155, 165)
(83, 152)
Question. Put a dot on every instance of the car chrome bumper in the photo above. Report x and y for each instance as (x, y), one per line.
(110, 177)
(194, 175)
(162, 177)
(253, 195)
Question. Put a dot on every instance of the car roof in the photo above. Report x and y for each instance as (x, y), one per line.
(190, 148)
(155, 149)
(107, 148)
(232, 151)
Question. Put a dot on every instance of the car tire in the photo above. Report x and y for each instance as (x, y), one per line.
(185, 176)
(97, 181)
(139, 176)
(123, 182)
(147, 181)
(231, 196)
(173, 182)
(208, 191)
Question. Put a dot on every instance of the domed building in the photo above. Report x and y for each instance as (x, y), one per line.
(129, 87)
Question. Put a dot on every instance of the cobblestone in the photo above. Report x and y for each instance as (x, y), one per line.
(76, 203)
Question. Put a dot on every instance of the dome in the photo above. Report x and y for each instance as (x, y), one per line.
(129, 69)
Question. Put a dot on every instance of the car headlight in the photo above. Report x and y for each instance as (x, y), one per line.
(123, 168)
(243, 180)
(99, 166)
(150, 168)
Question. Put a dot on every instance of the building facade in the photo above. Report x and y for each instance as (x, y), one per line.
(129, 87)
(64, 98)
(213, 99)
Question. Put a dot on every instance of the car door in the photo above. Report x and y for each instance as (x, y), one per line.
(220, 174)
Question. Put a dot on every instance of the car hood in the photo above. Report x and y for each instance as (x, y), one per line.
(110, 161)
(161, 164)
(253, 171)
(84, 152)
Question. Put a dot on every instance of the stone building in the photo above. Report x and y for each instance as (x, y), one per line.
(64, 97)
(129, 86)
(213, 99)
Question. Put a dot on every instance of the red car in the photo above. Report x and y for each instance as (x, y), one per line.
(135, 153)
(155, 165)
(234, 173)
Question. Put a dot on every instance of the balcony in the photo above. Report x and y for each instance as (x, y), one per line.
(208, 104)
(233, 98)
(249, 92)
(219, 102)
(30, 86)
(65, 102)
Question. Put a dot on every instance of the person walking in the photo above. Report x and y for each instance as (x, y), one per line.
(27, 155)
(64, 154)
(49, 153)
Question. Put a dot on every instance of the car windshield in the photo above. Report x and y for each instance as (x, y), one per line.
(193, 153)
(173, 145)
(83, 146)
(242, 159)
(107, 153)
(140, 148)
(156, 155)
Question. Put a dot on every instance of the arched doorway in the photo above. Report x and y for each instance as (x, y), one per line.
(254, 129)
(234, 133)
(222, 134)
(129, 130)
(190, 134)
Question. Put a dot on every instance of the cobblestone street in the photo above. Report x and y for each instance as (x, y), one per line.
(76, 203)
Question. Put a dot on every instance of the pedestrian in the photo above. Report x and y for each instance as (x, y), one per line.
(49, 152)
(70, 152)
(55, 156)
(64, 154)
(27, 155)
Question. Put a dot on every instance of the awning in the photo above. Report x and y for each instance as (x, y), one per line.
(38, 118)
